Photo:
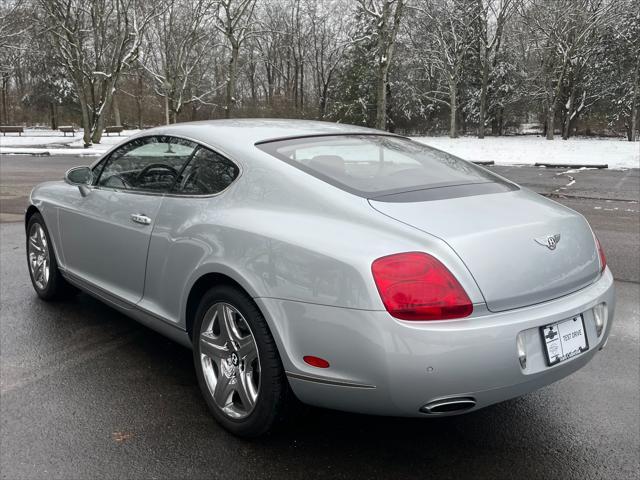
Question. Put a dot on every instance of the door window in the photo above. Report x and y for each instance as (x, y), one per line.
(150, 164)
(207, 173)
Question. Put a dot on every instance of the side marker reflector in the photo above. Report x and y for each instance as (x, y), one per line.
(316, 361)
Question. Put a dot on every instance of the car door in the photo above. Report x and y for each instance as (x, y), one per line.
(105, 232)
(188, 231)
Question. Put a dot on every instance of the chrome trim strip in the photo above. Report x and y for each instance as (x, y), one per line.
(325, 381)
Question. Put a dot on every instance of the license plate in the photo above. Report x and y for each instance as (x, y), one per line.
(564, 339)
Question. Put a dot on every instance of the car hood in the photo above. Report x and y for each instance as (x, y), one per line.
(503, 240)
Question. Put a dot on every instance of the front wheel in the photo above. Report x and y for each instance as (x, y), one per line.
(237, 363)
(43, 266)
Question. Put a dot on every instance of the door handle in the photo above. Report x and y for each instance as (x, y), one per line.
(140, 218)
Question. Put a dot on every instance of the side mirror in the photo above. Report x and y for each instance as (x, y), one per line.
(81, 177)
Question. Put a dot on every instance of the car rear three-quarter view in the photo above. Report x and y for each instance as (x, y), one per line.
(341, 266)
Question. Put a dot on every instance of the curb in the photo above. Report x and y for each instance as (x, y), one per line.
(571, 165)
(483, 162)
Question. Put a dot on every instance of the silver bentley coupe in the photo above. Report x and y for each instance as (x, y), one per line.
(341, 266)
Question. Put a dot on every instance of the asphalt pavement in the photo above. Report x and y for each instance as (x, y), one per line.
(87, 393)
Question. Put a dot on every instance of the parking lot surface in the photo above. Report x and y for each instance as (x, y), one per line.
(87, 393)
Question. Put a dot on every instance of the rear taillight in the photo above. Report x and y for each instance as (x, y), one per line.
(416, 286)
(603, 259)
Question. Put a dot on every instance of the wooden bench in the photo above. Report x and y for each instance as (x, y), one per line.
(113, 129)
(11, 129)
(68, 129)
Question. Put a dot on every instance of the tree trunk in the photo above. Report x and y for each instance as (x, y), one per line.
(634, 102)
(483, 94)
(116, 111)
(86, 127)
(54, 115)
(566, 129)
(139, 112)
(4, 113)
(96, 135)
(381, 97)
(550, 123)
(390, 123)
(322, 107)
(301, 86)
(453, 102)
(139, 101)
(231, 81)
(167, 120)
(634, 122)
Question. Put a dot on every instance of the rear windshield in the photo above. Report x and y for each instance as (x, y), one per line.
(376, 165)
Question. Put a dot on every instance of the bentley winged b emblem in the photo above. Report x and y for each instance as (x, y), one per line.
(550, 241)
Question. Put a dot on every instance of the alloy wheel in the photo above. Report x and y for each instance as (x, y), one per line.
(230, 362)
(39, 257)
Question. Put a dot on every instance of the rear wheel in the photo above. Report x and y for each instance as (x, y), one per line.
(43, 266)
(237, 363)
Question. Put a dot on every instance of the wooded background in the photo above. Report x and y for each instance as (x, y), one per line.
(482, 67)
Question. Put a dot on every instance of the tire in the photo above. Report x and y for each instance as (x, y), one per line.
(247, 392)
(43, 269)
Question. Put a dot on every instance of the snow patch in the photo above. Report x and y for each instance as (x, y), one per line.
(528, 150)
(53, 142)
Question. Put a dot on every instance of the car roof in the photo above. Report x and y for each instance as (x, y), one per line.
(257, 130)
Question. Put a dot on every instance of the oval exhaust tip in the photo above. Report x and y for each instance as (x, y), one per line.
(449, 405)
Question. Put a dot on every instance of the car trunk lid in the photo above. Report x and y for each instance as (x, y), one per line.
(503, 239)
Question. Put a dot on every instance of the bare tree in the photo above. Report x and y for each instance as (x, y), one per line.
(448, 27)
(560, 31)
(13, 27)
(177, 44)
(234, 21)
(492, 16)
(386, 15)
(94, 41)
(329, 41)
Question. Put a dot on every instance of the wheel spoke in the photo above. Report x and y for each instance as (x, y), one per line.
(249, 358)
(223, 390)
(244, 392)
(223, 314)
(43, 238)
(246, 346)
(33, 243)
(37, 271)
(210, 347)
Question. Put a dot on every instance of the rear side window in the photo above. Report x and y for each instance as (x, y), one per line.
(377, 165)
(207, 173)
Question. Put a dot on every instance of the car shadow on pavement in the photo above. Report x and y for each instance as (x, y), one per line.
(144, 389)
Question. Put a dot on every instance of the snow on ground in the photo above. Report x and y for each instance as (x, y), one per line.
(528, 150)
(39, 141)
(512, 150)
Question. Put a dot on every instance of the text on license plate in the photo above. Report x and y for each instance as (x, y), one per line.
(564, 339)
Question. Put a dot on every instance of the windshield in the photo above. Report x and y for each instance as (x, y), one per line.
(377, 165)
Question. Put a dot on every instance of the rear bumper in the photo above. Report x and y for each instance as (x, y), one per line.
(381, 365)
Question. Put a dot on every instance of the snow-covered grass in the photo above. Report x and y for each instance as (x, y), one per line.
(528, 150)
(38, 141)
(512, 150)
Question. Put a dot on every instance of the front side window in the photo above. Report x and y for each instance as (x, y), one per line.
(377, 165)
(207, 173)
(151, 164)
